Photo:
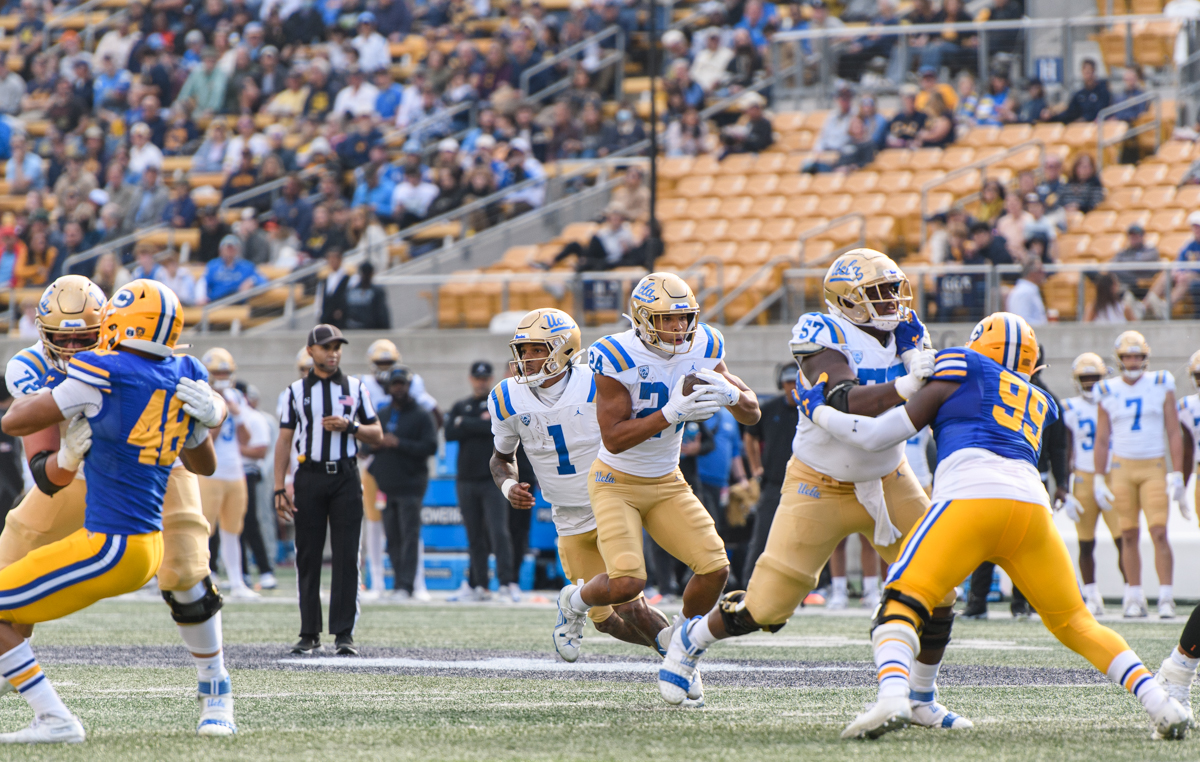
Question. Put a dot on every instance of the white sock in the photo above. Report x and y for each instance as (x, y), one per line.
(839, 585)
(870, 586)
(231, 557)
(921, 681)
(699, 634)
(1089, 591)
(203, 640)
(1183, 660)
(577, 604)
(1128, 671)
(1166, 593)
(374, 536)
(893, 662)
(21, 668)
(1134, 593)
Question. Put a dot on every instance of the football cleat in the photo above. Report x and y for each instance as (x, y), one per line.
(884, 716)
(243, 593)
(1166, 609)
(1171, 722)
(568, 631)
(48, 729)
(1095, 604)
(514, 592)
(216, 709)
(267, 581)
(662, 641)
(928, 713)
(1136, 609)
(837, 601)
(677, 678)
(1176, 680)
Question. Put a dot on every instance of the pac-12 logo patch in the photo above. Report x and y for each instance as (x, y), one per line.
(857, 355)
(525, 419)
(643, 370)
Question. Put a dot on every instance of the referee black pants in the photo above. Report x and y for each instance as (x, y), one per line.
(764, 515)
(485, 517)
(333, 500)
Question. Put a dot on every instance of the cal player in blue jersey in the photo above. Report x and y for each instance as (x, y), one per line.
(989, 504)
(132, 407)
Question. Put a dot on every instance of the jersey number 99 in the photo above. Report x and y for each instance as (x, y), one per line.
(160, 434)
(1021, 409)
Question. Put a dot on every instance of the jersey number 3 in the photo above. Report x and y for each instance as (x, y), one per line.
(1018, 402)
(160, 434)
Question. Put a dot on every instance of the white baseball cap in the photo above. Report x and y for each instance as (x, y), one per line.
(1194, 218)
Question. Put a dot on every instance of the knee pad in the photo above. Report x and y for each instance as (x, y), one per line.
(936, 633)
(737, 619)
(196, 612)
(886, 613)
(896, 630)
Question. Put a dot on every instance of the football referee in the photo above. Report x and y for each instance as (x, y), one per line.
(324, 416)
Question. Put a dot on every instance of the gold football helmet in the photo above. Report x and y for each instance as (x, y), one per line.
(68, 318)
(144, 315)
(659, 296)
(1087, 370)
(304, 362)
(1007, 339)
(1132, 343)
(1194, 368)
(557, 332)
(867, 288)
(382, 354)
(221, 367)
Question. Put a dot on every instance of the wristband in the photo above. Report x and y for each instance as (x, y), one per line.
(507, 486)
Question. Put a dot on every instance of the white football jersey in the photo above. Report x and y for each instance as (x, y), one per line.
(561, 440)
(918, 459)
(228, 450)
(26, 374)
(872, 363)
(1189, 416)
(1080, 417)
(649, 377)
(1136, 413)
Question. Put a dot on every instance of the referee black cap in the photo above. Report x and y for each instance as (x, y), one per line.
(400, 375)
(481, 369)
(325, 333)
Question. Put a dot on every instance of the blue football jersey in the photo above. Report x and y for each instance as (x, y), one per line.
(993, 408)
(136, 437)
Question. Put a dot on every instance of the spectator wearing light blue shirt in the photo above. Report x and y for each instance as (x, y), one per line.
(228, 273)
(375, 189)
(24, 170)
(390, 95)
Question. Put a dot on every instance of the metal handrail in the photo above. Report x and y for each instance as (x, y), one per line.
(905, 30)
(446, 116)
(1130, 130)
(765, 269)
(116, 243)
(973, 166)
(568, 53)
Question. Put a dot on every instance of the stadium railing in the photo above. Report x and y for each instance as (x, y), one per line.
(571, 54)
(1132, 130)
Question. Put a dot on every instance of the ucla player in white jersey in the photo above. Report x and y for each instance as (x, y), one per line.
(1189, 419)
(875, 352)
(635, 482)
(1080, 416)
(1135, 410)
(223, 494)
(68, 321)
(549, 408)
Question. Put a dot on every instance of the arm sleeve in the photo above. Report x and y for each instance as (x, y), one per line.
(74, 396)
(871, 434)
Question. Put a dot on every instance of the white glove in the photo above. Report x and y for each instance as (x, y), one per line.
(1104, 496)
(75, 443)
(919, 362)
(700, 405)
(1177, 492)
(198, 402)
(1072, 507)
(720, 386)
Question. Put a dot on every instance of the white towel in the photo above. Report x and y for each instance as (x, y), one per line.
(870, 494)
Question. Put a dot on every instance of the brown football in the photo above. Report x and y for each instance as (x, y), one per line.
(690, 382)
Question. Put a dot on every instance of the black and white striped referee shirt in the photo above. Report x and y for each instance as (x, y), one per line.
(312, 398)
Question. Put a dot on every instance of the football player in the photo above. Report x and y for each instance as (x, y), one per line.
(1134, 412)
(133, 408)
(549, 408)
(989, 503)
(1179, 669)
(68, 320)
(223, 495)
(1079, 417)
(874, 351)
(635, 482)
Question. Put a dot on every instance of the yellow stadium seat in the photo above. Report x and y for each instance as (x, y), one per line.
(1014, 134)
(1128, 197)
(1170, 244)
(1167, 221)
(765, 207)
(1080, 135)
(797, 141)
(1022, 160)
(881, 232)
(921, 179)
(1187, 197)
(1073, 246)
(722, 250)
(1105, 246)
(710, 230)
(580, 232)
(729, 185)
(671, 209)
(806, 224)
(894, 182)
(705, 164)
(761, 185)
(678, 231)
(844, 234)
(1176, 173)
(1147, 175)
(753, 254)
(679, 255)
(901, 205)
(1048, 132)
(732, 208)
(704, 208)
(940, 202)
(802, 206)
(777, 229)
(771, 163)
(789, 121)
(862, 181)
(827, 183)
(981, 136)
(745, 229)
(1117, 176)
(791, 184)
(869, 203)
(694, 186)
(1096, 222)
(964, 184)
(925, 159)
(737, 164)
(957, 156)
(835, 205)
(1158, 197)
(1172, 152)
(1131, 217)
(675, 167)
(892, 159)
(815, 120)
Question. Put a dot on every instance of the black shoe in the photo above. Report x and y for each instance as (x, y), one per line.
(1020, 609)
(345, 646)
(306, 645)
(976, 608)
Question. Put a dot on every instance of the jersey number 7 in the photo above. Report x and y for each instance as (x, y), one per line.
(159, 436)
(1019, 401)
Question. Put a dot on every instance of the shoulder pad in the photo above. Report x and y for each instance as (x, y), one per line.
(608, 358)
(501, 402)
(950, 365)
(714, 346)
(814, 332)
(91, 368)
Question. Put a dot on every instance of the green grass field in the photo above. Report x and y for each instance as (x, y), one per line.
(121, 668)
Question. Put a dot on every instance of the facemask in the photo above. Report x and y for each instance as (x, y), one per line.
(221, 384)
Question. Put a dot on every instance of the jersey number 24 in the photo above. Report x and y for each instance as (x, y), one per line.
(1021, 409)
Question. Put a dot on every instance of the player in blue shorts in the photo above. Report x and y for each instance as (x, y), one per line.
(130, 404)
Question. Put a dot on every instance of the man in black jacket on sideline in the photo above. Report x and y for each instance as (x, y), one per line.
(484, 509)
(401, 470)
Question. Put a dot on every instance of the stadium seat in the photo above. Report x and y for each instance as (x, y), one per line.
(1014, 134)
(745, 229)
(925, 159)
(776, 229)
(765, 207)
(892, 159)
(753, 254)
(1167, 221)
(709, 230)
(894, 182)
(760, 185)
(1048, 132)
(678, 231)
(1158, 197)
(862, 181)
(675, 167)
(1171, 244)
(728, 185)
(671, 209)
(807, 224)
(1187, 197)
(957, 156)
(705, 164)
(789, 121)
(694, 186)
(1172, 152)
(834, 205)
(1073, 246)
(724, 251)
(963, 185)
(1147, 175)
(1106, 245)
(708, 207)
(1117, 175)
(1128, 197)
(870, 204)
(771, 163)
(981, 136)
(1131, 217)
(1096, 222)
(737, 164)
(881, 232)
(1176, 173)
(826, 183)
(797, 141)
(792, 184)
(679, 255)
(802, 206)
(815, 120)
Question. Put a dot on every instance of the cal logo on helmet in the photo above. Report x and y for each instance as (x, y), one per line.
(146, 305)
(1007, 339)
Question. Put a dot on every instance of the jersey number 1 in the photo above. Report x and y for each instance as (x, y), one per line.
(560, 446)
(160, 434)
(1017, 402)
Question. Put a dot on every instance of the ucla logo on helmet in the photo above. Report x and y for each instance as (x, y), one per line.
(44, 304)
(124, 298)
(645, 292)
(525, 419)
(846, 271)
(557, 323)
